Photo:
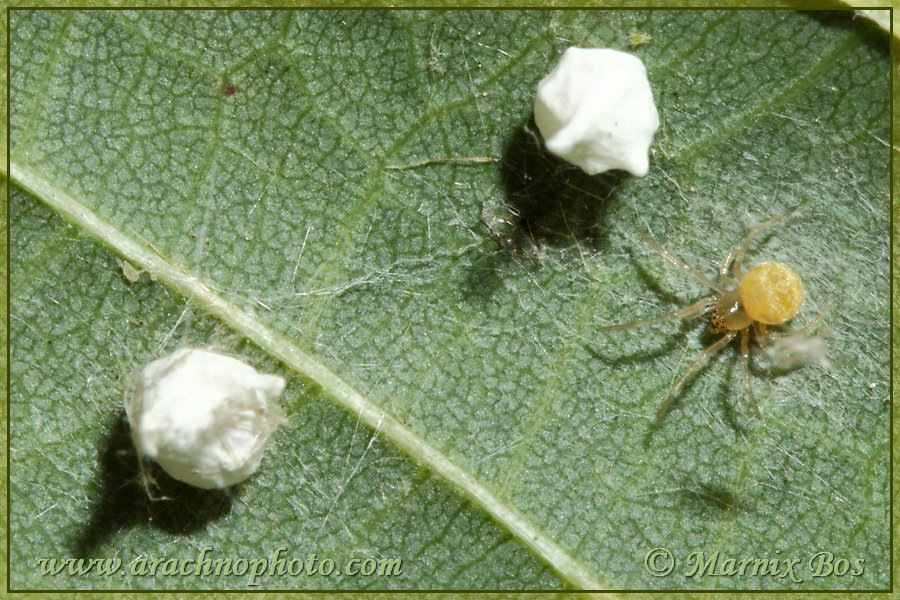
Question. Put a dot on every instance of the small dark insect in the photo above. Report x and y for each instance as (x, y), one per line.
(229, 90)
(769, 294)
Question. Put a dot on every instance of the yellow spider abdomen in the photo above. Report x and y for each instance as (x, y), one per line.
(771, 293)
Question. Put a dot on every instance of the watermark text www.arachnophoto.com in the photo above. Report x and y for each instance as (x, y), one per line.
(206, 564)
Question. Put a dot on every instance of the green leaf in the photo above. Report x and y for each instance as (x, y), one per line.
(360, 201)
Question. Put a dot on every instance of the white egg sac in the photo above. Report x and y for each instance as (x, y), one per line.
(596, 110)
(204, 417)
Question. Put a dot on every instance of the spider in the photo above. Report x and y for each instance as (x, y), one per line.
(769, 294)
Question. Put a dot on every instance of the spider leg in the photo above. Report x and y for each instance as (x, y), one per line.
(697, 308)
(740, 252)
(701, 360)
(805, 330)
(724, 277)
(745, 367)
(681, 264)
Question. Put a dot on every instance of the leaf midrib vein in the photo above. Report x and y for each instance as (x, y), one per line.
(273, 342)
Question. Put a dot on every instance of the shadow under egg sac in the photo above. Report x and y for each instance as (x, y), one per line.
(551, 200)
(121, 499)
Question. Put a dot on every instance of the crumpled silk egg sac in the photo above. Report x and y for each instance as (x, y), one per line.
(596, 110)
(204, 417)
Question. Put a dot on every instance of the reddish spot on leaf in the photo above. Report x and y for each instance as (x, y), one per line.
(229, 90)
